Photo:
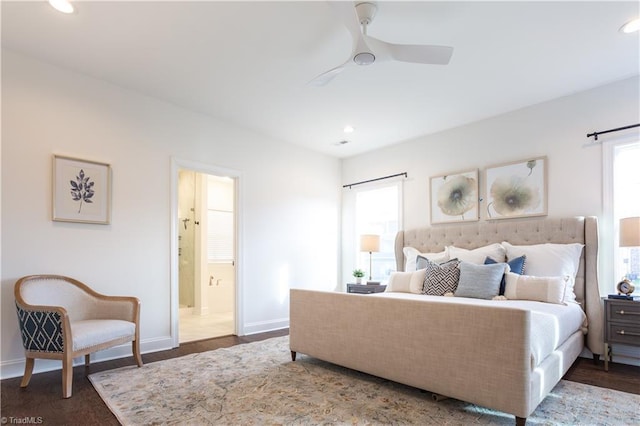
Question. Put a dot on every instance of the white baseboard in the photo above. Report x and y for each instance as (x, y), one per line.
(15, 368)
(264, 326)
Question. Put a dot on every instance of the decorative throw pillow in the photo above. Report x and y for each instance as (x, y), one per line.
(441, 279)
(423, 258)
(478, 255)
(516, 266)
(550, 260)
(480, 281)
(406, 282)
(541, 289)
(411, 254)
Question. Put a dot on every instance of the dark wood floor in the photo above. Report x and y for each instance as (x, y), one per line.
(42, 399)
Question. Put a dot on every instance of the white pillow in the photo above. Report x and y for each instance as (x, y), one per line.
(411, 254)
(478, 255)
(541, 289)
(550, 260)
(406, 282)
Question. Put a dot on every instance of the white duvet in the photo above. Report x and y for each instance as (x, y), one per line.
(551, 324)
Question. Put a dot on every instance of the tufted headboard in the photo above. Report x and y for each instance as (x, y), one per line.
(471, 235)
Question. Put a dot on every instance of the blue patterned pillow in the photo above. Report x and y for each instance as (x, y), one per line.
(516, 265)
(442, 278)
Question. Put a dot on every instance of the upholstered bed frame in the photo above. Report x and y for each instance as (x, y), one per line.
(475, 353)
(583, 230)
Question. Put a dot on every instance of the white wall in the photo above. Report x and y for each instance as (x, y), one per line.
(290, 211)
(556, 129)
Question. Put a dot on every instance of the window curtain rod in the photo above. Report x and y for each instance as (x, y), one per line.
(374, 180)
(595, 134)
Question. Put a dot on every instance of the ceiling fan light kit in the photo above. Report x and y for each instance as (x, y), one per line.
(366, 49)
(364, 58)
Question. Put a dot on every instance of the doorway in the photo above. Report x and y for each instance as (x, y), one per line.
(206, 247)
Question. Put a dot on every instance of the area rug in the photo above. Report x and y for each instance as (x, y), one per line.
(258, 384)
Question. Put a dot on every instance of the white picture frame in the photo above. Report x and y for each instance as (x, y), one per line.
(81, 191)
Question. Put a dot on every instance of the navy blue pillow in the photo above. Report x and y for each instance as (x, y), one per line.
(516, 265)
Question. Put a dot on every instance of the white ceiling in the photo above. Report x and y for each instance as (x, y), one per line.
(249, 62)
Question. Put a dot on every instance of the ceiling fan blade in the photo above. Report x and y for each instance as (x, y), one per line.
(324, 78)
(415, 53)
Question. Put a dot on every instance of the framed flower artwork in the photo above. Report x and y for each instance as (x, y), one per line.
(81, 191)
(454, 197)
(517, 189)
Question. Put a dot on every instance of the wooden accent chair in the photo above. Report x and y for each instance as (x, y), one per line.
(62, 318)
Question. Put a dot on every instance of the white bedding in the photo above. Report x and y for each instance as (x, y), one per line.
(551, 324)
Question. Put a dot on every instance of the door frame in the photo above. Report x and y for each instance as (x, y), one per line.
(174, 304)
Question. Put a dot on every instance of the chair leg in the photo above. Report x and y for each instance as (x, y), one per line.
(135, 347)
(67, 377)
(87, 360)
(28, 370)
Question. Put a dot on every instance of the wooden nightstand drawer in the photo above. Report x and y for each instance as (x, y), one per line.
(623, 312)
(623, 333)
(621, 325)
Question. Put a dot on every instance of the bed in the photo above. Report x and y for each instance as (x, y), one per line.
(502, 354)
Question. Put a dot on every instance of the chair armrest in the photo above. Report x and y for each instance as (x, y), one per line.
(117, 307)
(43, 328)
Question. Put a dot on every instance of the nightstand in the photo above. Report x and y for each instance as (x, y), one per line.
(621, 325)
(365, 288)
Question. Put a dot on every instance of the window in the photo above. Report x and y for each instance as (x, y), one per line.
(622, 186)
(220, 226)
(378, 211)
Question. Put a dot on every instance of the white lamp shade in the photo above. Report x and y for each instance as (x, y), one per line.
(370, 243)
(630, 232)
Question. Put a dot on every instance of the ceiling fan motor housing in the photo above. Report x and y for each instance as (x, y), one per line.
(366, 12)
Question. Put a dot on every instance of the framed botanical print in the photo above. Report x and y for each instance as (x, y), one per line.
(454, 197)
(81, 191)
(517, 189)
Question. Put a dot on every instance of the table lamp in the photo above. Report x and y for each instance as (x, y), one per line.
(370, 243)
(629, 237)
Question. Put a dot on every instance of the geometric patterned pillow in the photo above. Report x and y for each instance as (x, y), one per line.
(441, 279)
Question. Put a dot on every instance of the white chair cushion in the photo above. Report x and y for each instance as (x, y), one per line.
(89, 333)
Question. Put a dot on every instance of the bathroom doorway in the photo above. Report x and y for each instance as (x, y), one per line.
(206, 233)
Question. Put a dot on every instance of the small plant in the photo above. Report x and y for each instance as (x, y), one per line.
(358, 273)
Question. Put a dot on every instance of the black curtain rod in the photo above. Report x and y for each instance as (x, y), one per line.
(374, 180)
(595, 134)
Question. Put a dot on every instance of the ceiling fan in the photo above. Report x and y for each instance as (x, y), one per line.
(368, 50)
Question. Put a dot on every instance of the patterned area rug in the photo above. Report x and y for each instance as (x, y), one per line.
(257, 384)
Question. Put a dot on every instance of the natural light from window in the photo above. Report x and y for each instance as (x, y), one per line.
(626, 203)
(378, 212)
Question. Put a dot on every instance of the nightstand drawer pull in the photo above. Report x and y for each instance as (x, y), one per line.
(628, 333)
(627, 313)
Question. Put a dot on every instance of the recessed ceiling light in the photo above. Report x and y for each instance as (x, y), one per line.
(348, 129)
(631, 26)
(63, 6)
